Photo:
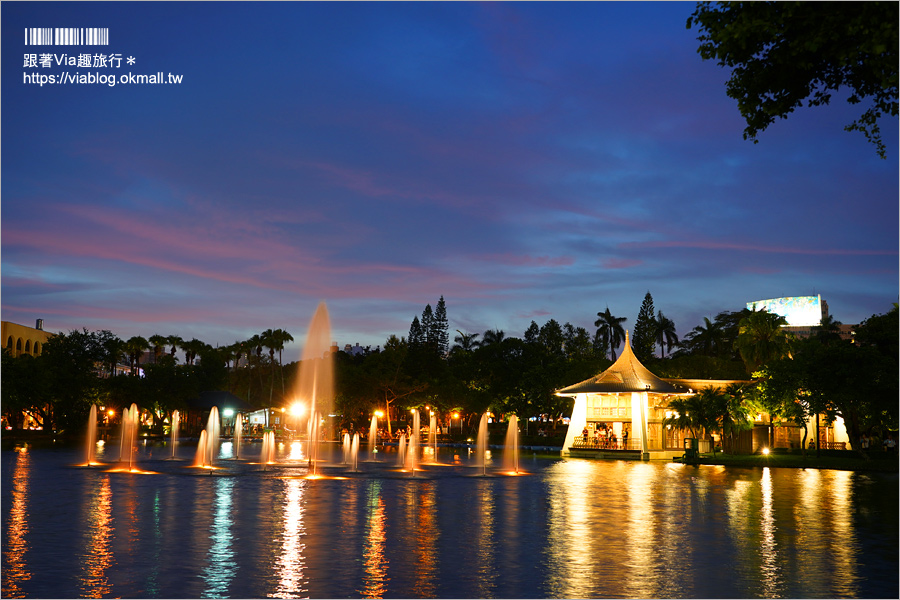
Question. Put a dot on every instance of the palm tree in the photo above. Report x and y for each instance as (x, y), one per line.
(761, 339)
(492, 336)
(466, 341)
(665, 333)
(192, 349)
(175, 342)
(828, 330)
(613, 333)
(113, 350)
(707, 338)
(134, 348)
(158, 342)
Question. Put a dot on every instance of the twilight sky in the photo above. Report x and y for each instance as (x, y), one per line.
(526, 161)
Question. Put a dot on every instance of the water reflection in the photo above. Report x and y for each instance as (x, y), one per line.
(220, 569)
(98, 555)
(640, 527)
(571, 515)
(484, 546)
(770, 564)
(422, 533)
(15, 571)
(290, 565)
(841, 515)
(375, 562)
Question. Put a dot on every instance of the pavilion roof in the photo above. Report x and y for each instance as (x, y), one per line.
(627, 374)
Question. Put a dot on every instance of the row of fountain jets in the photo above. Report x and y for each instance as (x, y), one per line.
(208, 445)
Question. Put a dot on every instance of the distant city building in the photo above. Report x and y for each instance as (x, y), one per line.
(20, 339)
(802, 313)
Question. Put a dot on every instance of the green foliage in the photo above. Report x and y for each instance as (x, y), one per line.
(786, 53)
(762, 339)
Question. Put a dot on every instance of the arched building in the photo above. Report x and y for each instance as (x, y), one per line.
(19, 339)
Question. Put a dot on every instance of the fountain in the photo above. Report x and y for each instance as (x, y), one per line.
(412, 451)
(354, 453)
(373, 435)
(432, 436)
(90, 455)
(511, 454)
(176, 422)
(209, 444)
(238, 434)
(267, 456)
(129, 436)
(481, 444)
(316, 381)
(401, 451)
(346, 450)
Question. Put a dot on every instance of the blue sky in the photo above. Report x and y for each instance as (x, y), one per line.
(527, 161)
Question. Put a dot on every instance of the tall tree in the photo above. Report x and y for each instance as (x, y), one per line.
(440, 328)
(416, 337)
(611, 331)
(644, 340)
(786, 53)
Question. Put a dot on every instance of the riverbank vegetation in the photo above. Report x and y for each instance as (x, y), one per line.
(477, 372)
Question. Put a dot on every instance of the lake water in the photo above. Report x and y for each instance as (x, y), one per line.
(567, 529)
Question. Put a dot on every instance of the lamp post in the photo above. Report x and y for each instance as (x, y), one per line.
(455, 415)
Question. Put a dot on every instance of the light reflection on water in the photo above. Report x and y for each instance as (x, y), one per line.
(374, 559)
(571, 528)
(15, 547)
(290, 564)
(97, 552)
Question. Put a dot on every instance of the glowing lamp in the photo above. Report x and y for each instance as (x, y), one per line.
(297, 409)
(379, 413)
(228, 412)
(765, 451)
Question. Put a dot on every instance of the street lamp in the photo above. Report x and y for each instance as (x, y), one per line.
(455, 415)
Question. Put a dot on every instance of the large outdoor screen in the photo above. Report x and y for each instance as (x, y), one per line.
(798, 310)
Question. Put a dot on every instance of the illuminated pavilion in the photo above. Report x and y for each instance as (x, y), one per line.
(627, 398)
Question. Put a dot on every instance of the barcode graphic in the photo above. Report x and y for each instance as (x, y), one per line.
(66, 36)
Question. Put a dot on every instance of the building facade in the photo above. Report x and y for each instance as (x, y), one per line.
(20, 339)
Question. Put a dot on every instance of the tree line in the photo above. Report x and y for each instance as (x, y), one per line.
(792, 378)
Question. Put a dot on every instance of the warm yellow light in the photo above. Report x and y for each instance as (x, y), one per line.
(456, 415)
(766, 451)
(297, 409)
(111, 412)
(379, 413)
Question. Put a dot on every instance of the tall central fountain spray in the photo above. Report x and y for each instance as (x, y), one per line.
(316, 382)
